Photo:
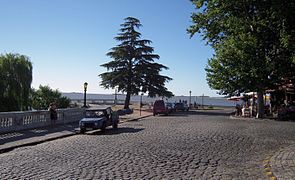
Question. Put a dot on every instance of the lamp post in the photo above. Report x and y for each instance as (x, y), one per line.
(190, 97)
(140, 104)
(203, 101)
(85, 89)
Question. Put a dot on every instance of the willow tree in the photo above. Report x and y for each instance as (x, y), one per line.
(133, 68)
(16, 79)
(253, 43)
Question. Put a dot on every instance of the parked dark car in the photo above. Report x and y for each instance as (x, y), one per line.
(181, 107)
(160, 108)
(99, 119)
(287, 112)
(170, 107)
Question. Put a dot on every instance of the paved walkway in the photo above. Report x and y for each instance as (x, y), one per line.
(280, 165)
(283, 163)
(10, 141)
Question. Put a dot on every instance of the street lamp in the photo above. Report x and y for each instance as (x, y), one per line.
(85, 89)
(203, 101)
(190, 97)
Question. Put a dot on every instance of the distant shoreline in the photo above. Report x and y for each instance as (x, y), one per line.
(200, 100)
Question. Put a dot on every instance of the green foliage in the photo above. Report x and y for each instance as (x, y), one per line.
(133, 68)
(15, 82)
(253, 42)
(210, 107)
(42, 97)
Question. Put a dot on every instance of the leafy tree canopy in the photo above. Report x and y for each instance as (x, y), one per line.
(42, 97)
(253, 42)
(15, 82)
(133, 68)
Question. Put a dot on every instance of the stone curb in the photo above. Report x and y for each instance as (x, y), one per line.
(267, 169)
(241, 118)
(39, 141)
(250, 118)
(136, 119)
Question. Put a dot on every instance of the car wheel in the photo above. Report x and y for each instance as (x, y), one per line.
(103, 128)
(115, 125)
(82, 131)
(154, 114)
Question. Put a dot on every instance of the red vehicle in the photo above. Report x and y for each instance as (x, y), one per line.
(160, 108)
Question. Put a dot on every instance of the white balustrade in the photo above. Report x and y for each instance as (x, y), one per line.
(17, 121)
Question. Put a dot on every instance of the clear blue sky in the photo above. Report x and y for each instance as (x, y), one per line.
(67, 40)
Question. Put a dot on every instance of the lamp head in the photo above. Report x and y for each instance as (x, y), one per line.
(85, 85)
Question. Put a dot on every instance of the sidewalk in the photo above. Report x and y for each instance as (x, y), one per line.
(282, 163)
(10, 141)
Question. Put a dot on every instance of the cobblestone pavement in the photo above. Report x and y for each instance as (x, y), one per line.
(181, 146)
(283, 163)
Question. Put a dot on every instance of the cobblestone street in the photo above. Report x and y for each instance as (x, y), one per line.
(193, 145)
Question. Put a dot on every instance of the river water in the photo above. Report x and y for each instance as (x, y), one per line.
(200, 100)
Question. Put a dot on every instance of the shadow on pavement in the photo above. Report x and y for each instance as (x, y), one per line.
(178, 114)
(111, 131)
(201, 112)
(211, 113)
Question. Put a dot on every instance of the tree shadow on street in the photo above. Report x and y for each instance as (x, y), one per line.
(111, 131)
(210, 113)
(178, 114)
(200, 112)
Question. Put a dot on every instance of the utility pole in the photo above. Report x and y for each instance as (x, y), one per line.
(203, 101)
(190, 96)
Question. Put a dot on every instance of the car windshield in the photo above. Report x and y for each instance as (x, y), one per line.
(94, 113)
(179, 104)
(169, 104)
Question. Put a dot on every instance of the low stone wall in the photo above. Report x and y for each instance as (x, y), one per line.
(17, 121)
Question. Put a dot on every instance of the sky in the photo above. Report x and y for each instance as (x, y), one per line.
(67, 40)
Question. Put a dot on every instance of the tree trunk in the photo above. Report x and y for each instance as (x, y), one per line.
(260, 104)
(127, 100)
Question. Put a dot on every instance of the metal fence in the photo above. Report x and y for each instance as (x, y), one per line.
(17, 121)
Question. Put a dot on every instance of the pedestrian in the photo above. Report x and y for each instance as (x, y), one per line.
(238, 110)
(53, 113)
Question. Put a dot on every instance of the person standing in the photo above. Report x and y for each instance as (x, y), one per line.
(53, 113)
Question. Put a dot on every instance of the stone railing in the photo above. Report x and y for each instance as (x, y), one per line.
(17, 121)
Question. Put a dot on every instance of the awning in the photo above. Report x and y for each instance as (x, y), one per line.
(235, 98)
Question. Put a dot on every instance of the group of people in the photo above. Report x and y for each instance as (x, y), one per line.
(245, 110)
